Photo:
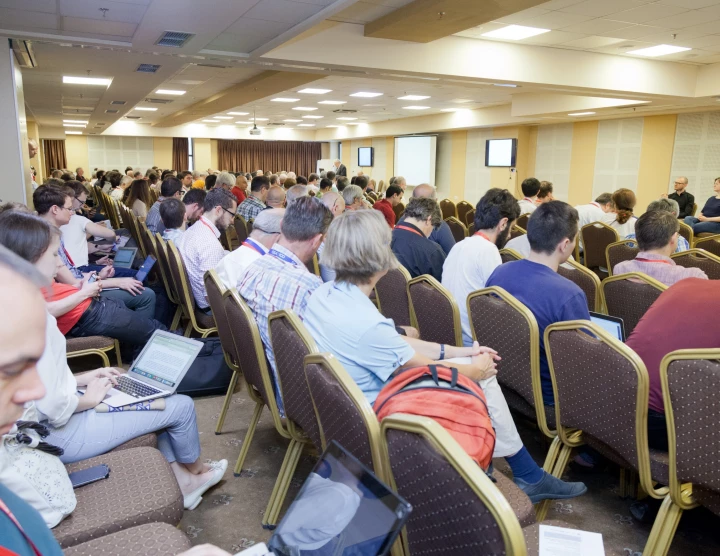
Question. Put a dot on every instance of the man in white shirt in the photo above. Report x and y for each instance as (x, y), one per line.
(472, 261)
(199, 246)
(530, 188)
(595, 211)
(265, 232)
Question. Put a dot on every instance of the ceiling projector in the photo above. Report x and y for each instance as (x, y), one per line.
(255, 131)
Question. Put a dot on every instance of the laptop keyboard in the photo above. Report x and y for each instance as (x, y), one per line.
(134, 388)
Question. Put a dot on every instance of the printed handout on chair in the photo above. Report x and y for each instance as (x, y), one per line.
(560, 541)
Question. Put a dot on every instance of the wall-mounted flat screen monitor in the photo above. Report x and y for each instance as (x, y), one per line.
(500, 153)
(365, 156)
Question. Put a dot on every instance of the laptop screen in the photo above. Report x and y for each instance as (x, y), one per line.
(611, 325)
(165, 358)
(145, 268)
(125, 255)
(342, 509)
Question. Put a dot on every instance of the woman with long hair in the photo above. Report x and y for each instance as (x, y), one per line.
(623, 220)
(139, 199)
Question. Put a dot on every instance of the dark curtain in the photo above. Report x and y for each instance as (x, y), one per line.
(243, 155)
(180, 154)
(55, 157)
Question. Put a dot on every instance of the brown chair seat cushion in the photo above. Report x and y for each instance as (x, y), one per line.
(203, 320)
(519, 501)
(144, 441)
(153, 539)
(141, 489)
(659, 461)
(532, 534)
(89, 342)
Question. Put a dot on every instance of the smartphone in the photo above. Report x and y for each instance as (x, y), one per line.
(93, 278)
(89, 475)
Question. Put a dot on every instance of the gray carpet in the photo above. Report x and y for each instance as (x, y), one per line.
(230, 514)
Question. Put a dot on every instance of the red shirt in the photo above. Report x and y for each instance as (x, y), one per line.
(68, 320)
(239, 194)
(683, 317)
(384, 206)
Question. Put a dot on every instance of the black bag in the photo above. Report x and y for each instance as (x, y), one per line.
(209, 375)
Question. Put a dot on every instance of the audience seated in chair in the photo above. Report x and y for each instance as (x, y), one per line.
(595, 211)
(671, 206)
(239, 190)
(473, 260)
(530, 189)
(265, 233)
(393, 196)
(371, 350)
(621, 216)
(200, 247)
(174, 218)
(708, 221)
(545, 194)
(275, 197)
(410, 242)
(354, 198)
(255, 202)
(682, 197)
(170, 187)
(442, 235)
(295, 192)
(194, 201)
(552, 231)
(335, 202)
(325, 186)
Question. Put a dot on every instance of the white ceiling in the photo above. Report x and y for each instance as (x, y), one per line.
(616, 26)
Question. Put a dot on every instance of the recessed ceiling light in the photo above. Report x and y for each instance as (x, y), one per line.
(75, 121)
(170, 92)
(504, 85)
(332, 102)
(416, 107)
(223, 117)
(292, 121)
(86, 80)
(280, 99)
(306, 125)
(366, 95)
(581, 114)
(74, 125)
(515, 32)
(347, 119)
(373, 105)
(304, 108)
(73, 133)
(145, 108)
(315, 91)
(332, 126)
(262, 119)
(211, 121)
(413, 97)
(243, 122)
(238, 113)
(313, 117)
(461, 100)
(659, 50)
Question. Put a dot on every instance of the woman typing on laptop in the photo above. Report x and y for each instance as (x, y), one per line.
(75, 426)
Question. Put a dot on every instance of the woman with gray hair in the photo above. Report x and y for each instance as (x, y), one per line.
(671, 206)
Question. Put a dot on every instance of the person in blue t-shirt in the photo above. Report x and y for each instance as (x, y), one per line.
(552, 232)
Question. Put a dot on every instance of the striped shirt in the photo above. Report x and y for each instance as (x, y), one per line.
(201, 251)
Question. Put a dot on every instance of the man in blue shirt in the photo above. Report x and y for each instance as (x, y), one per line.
(410, 242)
(552, 232)
(442, 235)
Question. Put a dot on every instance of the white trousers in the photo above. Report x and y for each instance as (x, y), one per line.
(507, 439)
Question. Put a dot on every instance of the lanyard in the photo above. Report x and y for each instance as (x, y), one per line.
(401, 227)
(282, 256)
(252, 245)
(68, 256)
(529, 200)
(483, 236)
(4, 509)
(651, 261)
(595, 204)
(208, 227)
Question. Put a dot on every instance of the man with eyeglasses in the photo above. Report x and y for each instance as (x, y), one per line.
(684, 199)
(200, 247)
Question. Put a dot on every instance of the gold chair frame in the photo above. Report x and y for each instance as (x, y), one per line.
(700, 253)
(582, 237)
(689, 233)
(171, 288)
(100, 352)
(600, 306)
(627, 242)
(456, 220)
(433, 283)
(701, 240)
(407, 276)
(512, 253)
(446, 202)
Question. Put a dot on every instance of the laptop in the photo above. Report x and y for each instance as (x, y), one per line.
(158, 370)
(612, 325)
(342, 509)
(124, 257)
(145, 268)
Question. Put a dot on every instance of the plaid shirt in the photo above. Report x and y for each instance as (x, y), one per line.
(682, 244)
(271, 284)
(250, 208)
(201, 251)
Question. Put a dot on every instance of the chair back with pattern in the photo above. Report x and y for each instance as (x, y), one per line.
(687, 232)
(455, 505)
(691, 381)
(499, 320)
(215, 290)
(147, 240)
(710, 244)
(458, 229)
(620, 251)
(470, 217)
(186, 298)
(240, 228)
(629, 296)
(343, 413)
(435, 310)
(516, 231)
(522, 220)
(399, 210)
(596, 236)
(508, 255)
(448, 209)
(587, 281)
(471, 228)
(172, 288)
(463, 207)
(392, 298)
(699, 258)
(291, 342)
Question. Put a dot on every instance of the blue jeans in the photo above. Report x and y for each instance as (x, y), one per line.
(143, 303)
(702, 227)
(119, 272)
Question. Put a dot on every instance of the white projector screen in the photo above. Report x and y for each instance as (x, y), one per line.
(415, 159)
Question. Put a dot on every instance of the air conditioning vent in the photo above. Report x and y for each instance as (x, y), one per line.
(158, 100)
(148, 68)
(118, 102)
(24, 53)
(133, 117)
(111, 111)
(217, 66)
(174, 39)
(344, 111)
(276, 124)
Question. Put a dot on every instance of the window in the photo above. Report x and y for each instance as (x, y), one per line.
(191, 154)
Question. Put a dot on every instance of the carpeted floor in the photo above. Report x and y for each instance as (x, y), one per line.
(230, 514)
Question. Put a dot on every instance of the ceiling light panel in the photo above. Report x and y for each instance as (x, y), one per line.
(312, 117)
(238, 113)
(304, 108)
(306, 125)
(515, 33)
(364, 94)
(659, 50)
(413, 97)
(281, 99)
(581, 114)
(243, 122)
(223, 117)
(74, 125)
(86, 80)
(170, 92)
(262, 119)
(332, 102)
(75, 121)
(416, 107)
(210, 121)
(315, 91)
(347, 119)
(145, 108)
(292, 121)
(73, 133)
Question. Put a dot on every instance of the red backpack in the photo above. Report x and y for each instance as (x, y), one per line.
(453, 400)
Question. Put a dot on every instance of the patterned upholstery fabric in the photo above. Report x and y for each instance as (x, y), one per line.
(686, 232)
(507, 257)
(711, 245)
(164, 263)
(290, 352)
(220, 318)
(144, 441)
(447, 207)
(89, 342)
(240, 228)
(147, 240)
(584, 282)
(707, 265)
(519, 501)
(629, 301)
(433, 313)
(141, 489)
(471, 228)
(457, 228)
(693, 387)
(436, 491)
(463, 208)
(247, 360)
(619, 253)
(339, 418)
(518, 404)
(595, 240)
(470, 217)
(522, 221)
(532, 534)
(153, 539)
(177, 270)
(392, 294)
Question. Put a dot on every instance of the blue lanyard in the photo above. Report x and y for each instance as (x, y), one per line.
(252, 245)
(282, 256)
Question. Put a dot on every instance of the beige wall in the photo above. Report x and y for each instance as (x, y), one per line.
(203, 154)
(162, 152)
(76, 149)
(214, 155)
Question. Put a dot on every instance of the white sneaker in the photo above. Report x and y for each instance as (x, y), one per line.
(191, 501)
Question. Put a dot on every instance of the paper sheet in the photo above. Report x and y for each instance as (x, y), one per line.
(559, 541)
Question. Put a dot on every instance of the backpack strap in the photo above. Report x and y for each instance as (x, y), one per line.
(453, 375)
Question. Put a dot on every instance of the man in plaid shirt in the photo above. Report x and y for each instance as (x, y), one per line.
(255, 202)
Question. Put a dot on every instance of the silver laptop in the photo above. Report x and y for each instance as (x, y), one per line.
(157, 372)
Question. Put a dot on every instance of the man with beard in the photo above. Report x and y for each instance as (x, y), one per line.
(200, 247)
(472, 261)
(552, 232)
(410, 242)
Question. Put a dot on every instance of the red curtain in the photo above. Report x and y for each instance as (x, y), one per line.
(180, 154)
(243, 155)
(55, 157)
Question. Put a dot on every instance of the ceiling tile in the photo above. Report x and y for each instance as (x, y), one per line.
(48, 6)
(712, 11)
(517, 17)
(247, 34)
(649, 12)
(635, 32)
(681, 21)
(703, 42)
(623, 47)
(593, 8)
(20, 19)
(558, 4)
(282, 11)
(554, 20)
(595, 26)
(592, 42)
(99, 27)
(689, 4)
(90, 9)
(361, 12)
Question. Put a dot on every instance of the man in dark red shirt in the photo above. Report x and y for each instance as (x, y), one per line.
(393, 195)
(683, 317)
(239, 190)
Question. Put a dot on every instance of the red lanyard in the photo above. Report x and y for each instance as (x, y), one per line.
(252, 245)
(595, 204)
(68, 256)
(483, 236)
(4, 509)
(529, 200)
(651, 261)
(401, 227)
(207, 226)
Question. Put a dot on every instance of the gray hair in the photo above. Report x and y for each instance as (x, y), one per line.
(226, 178)
(292, 175)
(126, 180)
(667, 205)
(399, 180)
(351, 193)
(357, 247)
(295, 192)
(219, 198)
(306, 218)
(422, 208)
(267, 222)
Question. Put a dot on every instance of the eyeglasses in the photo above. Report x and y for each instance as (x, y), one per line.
(229, 212)
(69, 209)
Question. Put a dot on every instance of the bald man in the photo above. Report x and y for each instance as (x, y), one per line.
(239, 190)
(442, 234)
(276, 197)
